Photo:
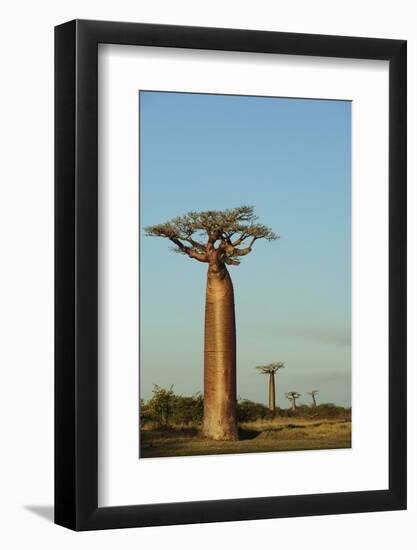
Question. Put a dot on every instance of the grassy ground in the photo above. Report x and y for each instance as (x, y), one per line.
(278, 434)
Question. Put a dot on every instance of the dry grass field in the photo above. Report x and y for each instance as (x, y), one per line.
(260, 436)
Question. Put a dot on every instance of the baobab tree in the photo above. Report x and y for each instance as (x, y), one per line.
(292, 396)
(219, 239)
(313, 394)
(271, 369)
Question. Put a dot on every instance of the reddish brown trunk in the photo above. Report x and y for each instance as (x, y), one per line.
(219, 357)
(272, 392)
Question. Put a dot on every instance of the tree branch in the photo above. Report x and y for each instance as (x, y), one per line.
(244, 251)
(239, 224)
(231, 261)
(197, 255)
(240, 240)
(179, 244)
(196, 244)
(189, 251)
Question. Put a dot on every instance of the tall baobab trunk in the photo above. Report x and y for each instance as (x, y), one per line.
(272, 392)
(219, 357)
(218, 250)
(293, 404)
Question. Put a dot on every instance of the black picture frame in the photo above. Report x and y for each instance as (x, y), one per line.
(76, 272)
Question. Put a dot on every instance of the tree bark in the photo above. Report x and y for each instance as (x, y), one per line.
(293, 405)
(219, 357)
(272, 392)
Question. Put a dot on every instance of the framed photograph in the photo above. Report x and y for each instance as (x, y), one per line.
(230, 252)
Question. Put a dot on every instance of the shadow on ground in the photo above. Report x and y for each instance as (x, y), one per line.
(247, 434)
(45, 512)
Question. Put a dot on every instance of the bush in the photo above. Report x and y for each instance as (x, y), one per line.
(325, 410)
(330, 410)
(248, 411)
(165, 408)
(159, 407)
(187, 410)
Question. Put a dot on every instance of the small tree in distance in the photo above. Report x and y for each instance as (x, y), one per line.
(313, 394)
(161, 404)
(271, 369)
(293, 396)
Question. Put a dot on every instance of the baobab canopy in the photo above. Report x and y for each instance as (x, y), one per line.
(196, 233)
(271, 368)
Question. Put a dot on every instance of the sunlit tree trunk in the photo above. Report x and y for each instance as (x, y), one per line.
(272, 392)
(219, 357)
(293, 404)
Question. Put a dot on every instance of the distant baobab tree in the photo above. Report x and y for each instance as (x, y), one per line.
(313, 394)
(292, 396)
(271, 369)
(220, 239)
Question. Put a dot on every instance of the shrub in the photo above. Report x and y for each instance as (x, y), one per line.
(248, 411)
(330, 410)
(187, 410)
(165, 408)
(159, 407)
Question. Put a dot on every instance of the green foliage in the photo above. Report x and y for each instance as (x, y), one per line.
(330, 410)
(227, 222)
(159, 407)
(326, 410)
(165, 408)
(229, 228)
(248, 411)
(188, 410)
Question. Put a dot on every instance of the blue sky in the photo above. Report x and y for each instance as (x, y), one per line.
(291, 160)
